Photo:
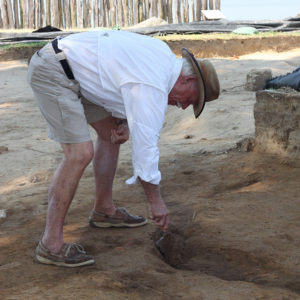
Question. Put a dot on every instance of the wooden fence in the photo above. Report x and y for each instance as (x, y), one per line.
(66, 14)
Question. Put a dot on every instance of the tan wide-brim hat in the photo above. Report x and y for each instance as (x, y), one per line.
(208, 82)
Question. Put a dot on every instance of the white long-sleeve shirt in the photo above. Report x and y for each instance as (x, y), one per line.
(129, 75)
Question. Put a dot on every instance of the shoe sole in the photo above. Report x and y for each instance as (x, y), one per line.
(43, 260)
(119, 225)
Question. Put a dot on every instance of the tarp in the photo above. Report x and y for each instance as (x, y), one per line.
(289, 80)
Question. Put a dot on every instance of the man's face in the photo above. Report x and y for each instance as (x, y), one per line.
(185, 92)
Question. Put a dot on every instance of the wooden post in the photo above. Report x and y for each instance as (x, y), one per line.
(193, 11)
(204, 4)
(103, 12)
(154, 12)
(135, 11)
(211, 4)
(126, 10)
(67, 13)
(79, 14)
(1, 22)
(141, 14)
(96, 14)
(42, 14)
(4, 14)
(112, 10)
(186, 11)
(73, 13)
(84, 13)
(54, 13)
(175, 15)
(30, 14)
(179, 5)
(160, 9)
(217, 4)
(8, 14)
(87, 13)
(21, 13)
(48, 13)
(198, 10)
(170, 11)
(16, 13)
(120, 13)
(60, 13)
(147, 6)
(36, 23)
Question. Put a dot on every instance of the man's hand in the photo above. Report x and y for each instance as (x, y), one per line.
(159, 213)
(121, 134)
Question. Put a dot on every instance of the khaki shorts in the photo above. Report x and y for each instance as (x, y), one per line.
(65, 110)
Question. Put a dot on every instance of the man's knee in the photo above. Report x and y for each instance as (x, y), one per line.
(79, 154)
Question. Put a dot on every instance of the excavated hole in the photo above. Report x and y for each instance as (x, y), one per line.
(180, 251)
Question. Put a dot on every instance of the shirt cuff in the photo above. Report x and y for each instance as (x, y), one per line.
(155, 179)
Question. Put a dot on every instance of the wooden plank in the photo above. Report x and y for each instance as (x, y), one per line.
(42, 14)
(141, 11)
(16, 13)
(30, 14)
(198, 10)
(1, 22)
(9, 12)
(21, 13)
(79, 14)
(60, 13)
(179, 5)
(160, 9)
(192, 19)
(89, 11)
(96, 13)
(186, 11)
(73, 13)
(126, 12)
(154, 11)
(112, 10)
(120, 13)
(218, 4)
(36, 24)
(67, 13)
(170, 11)
(54, 13)
(4, 14)
(135, 11)
(147, 9)
(48, 12)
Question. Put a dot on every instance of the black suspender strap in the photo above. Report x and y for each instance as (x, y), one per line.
(63, 61)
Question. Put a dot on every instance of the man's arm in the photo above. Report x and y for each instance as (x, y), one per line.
(159, 213)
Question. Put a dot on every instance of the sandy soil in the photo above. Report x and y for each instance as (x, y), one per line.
(235, 230)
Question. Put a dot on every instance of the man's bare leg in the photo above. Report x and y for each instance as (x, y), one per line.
(105, 165)
(63, 187)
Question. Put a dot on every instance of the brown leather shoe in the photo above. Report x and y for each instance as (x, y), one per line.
(122, 218)
(70, 255)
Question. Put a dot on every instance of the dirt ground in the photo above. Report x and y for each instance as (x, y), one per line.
(235, 217)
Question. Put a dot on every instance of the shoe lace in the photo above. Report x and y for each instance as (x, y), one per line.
(75, 246)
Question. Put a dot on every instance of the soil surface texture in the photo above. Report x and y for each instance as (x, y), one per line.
(235, 217)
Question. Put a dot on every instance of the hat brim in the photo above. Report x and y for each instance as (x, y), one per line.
(198, 108)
